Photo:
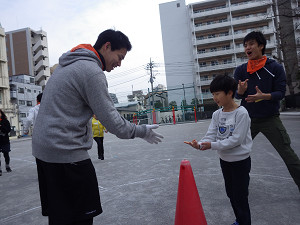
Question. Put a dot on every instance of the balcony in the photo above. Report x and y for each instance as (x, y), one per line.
(201, 14)
(39, 45)
(217, 67)
(39, 55)
(211, 26)
(41, 64)
(214, 53)
(234, 7)
(42, 75)
(250, 5)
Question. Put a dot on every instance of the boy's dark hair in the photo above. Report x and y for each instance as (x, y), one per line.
(223, 83)
(39, 97)
(3, 116)
(258, 37)
(117, 40)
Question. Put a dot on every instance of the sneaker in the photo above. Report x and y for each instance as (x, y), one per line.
(235, 223)
(8, 169)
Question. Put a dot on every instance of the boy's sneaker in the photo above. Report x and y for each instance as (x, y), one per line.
(8, 169)
(235, 223)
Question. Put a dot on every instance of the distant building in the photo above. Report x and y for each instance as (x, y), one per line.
(23, 93)
(160, 97)
(27, 53)
(136, 96)
(204, 39)
(128, 109)
(114, 98)
(9, 109)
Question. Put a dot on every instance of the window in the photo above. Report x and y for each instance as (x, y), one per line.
(29, 103)
(214, 63)
(202, 64)
(21, 90)
(23, 115)
(227, 61)
(29, 90)
(31, 80)
(201, 51)
(213, 49)
(21, 102)
(178, 5)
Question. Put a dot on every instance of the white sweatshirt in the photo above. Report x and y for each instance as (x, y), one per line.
(229, 134)
(31, 117)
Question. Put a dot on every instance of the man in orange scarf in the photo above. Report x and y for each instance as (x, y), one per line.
(262, 84)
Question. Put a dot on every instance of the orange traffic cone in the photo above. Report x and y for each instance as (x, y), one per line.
(189, 210)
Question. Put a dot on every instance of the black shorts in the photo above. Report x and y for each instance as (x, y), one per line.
(69, 191)
(5, 148)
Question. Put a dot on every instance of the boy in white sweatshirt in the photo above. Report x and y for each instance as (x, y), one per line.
(229, 134)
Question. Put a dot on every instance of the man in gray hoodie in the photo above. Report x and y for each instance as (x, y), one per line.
(62, 134)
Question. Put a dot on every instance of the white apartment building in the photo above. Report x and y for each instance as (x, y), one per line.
(205, 39)
(27, 53)
(23, 93)
(5, 104)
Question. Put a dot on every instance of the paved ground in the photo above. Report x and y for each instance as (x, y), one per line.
(138, 182)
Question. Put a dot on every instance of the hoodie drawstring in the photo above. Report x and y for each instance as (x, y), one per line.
(258, 76)
(269, 72)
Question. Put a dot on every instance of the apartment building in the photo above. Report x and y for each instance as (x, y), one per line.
(9, 109)
(23, 93)
(27, 53)
(207, 38)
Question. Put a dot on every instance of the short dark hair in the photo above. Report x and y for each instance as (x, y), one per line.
(39, 97)
(3, 116)
(223, 83)
(258, 37)
(117, 40)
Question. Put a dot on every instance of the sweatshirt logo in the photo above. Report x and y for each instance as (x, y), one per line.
(222, 130)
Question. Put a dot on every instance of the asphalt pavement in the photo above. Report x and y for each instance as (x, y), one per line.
(138, 182)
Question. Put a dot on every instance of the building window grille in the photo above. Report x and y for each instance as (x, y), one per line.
(29, 103)
(21, 102)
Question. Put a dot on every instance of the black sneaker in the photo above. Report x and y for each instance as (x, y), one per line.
(8, 169)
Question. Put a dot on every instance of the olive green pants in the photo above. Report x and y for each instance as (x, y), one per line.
(275, 132)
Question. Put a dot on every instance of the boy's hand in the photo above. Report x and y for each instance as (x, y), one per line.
(205, 145)
(193, 143)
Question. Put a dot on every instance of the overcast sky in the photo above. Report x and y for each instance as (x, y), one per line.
(72, 22)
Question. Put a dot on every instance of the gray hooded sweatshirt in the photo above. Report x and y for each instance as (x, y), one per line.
(75, 91)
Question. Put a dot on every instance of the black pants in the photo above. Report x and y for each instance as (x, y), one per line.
(6, 157)
(236, 177)
(99, 141)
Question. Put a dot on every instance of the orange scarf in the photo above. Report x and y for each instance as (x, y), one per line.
(89, 47)
(255, 65)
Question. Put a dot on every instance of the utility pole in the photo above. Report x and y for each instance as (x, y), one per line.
(150, 67)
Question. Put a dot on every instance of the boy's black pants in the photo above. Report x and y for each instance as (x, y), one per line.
(236, 177)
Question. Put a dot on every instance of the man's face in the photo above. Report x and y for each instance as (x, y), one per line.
(113, 58)
(253, 50)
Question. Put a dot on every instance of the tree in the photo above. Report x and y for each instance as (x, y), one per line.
(158, 104)
(173, 103)
(195, 101)
(286, 40)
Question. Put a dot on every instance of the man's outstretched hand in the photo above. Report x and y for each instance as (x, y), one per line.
(151, 136)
